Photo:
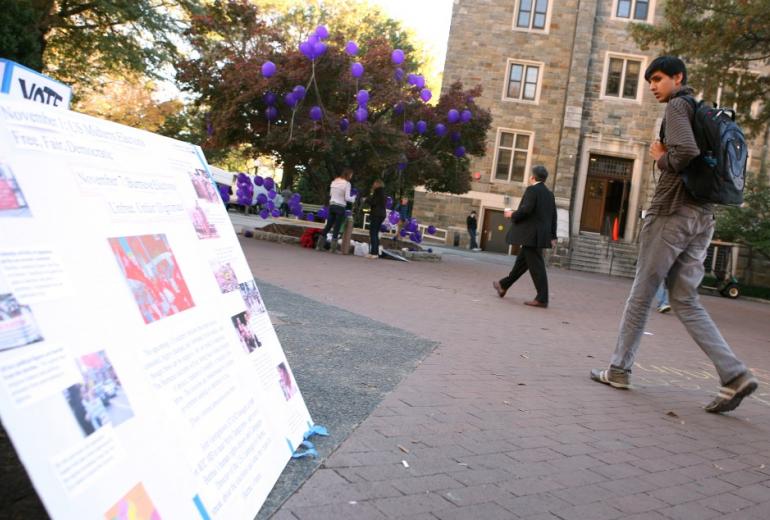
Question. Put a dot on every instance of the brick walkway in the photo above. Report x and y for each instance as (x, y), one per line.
(501, 421)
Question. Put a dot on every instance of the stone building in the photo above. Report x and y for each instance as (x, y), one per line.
(564, 82)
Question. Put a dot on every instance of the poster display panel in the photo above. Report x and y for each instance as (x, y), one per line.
(140, 374)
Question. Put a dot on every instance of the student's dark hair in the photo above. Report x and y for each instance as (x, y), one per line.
(539, 173)
(346, 173)
(668, 65)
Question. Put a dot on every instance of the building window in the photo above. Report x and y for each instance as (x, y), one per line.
(522, 81)
(633, 10)
(531, 15)
(512, 156)
(622, 78)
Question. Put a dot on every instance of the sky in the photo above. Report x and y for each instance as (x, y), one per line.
(428, 18)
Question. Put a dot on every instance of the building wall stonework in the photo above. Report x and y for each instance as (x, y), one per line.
(571, 119)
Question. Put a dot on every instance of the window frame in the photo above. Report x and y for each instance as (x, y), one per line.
(650, 12)
(510, 62)
(528, 163)
(530, 29)
(606, 74)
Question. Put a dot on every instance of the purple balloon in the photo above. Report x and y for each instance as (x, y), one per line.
(242, 177)
(394, 217)
(309, 217)
(431, 229)
(270, 98)
(275, 213)
(455, 136)
(271, 194)
(398, 109)
(357, 70)
(403, 232)
(351, 48)
(268, 69)
(440, 130)
(362, 114)
(453, 116)
(322, 32)
(271, 113)
(362, 97)
(460, 151)
(306, 48)
(299, 92)
(419, 82)
(224, 192)
(290, 100)
(264, 214)
(411, 79)
(399, 74)
(466, 115)
(344, 124)
(316, 113)
(426, 94)
(319, 48)
(408, 127)
(259, 181)
(269, 183)
(322, 213)
(389, 203)
(401, 165)
(421, 127)
(261, 199)
(313, 39)
(383, 228)
(296, 197)
(270, 205)
(397, 56)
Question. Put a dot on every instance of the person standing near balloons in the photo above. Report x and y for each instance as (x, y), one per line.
(339, 196)
(376, 218)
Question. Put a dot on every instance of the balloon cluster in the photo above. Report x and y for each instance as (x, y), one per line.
(314, 47)
(411, 227)
(245, 191)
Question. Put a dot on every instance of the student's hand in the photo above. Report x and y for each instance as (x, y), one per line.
(657, 150)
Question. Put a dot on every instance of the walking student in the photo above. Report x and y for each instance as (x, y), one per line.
(472, 224)
(376, 217)
(339, 196)
(675, 234)
(534, 228)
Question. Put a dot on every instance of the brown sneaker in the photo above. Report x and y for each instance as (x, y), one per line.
(499, 288)
(615, 377)
(731, 395)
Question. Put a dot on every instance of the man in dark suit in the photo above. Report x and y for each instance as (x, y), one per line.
(534, 229)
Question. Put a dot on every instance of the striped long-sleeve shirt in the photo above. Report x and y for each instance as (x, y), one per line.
(670, 193)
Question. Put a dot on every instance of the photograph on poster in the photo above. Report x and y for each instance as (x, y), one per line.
(17, 325)
(249, 340)
(225, 276)
(99, 399)
(12, 201)
(152, 274)
(135, 505)
(252, 298)
(203, 227)
(204, 188)
(287, 384)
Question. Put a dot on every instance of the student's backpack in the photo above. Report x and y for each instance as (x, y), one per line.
(718, 174)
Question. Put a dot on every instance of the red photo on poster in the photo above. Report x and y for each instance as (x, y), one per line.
(153, 275)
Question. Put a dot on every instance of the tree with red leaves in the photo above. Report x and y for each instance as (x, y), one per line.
(309, 111)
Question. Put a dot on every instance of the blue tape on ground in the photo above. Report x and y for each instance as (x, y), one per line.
(317, 429)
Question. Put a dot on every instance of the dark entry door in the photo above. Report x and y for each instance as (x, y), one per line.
(494, 230)
(593, 205)
(607, 190)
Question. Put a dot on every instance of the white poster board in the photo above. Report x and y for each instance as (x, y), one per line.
(20, 82)
(139, 371)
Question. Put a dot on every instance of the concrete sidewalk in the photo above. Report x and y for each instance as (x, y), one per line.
(501, 420)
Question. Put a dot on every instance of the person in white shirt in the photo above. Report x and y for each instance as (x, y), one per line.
(339, 196)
